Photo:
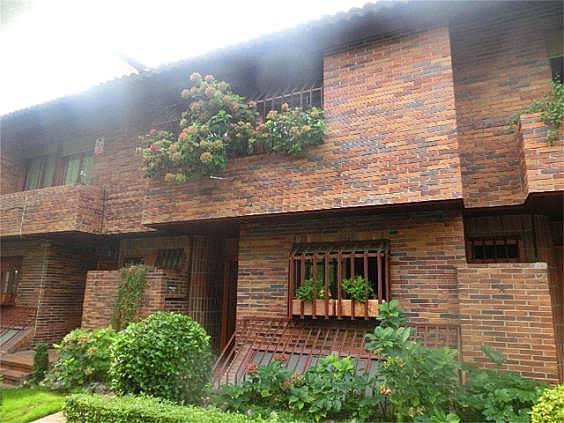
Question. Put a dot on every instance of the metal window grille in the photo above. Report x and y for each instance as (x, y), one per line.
(170, 258)
(305, 99)
(494, 250)
(326, 265)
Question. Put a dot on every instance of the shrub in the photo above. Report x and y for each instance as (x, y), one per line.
(84, 359)
(497, 396)
(219, 124)
(40, 363)
(357, 289)
(130, 294)
(166, 355)
(305, 292)
(129, 409)
(418, 381)
(333, 389)
(550, 406)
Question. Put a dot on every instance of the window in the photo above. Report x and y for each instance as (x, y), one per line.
(133, 261)
(494, 250)
(170, 259)
(305, 99)
(11, 270)
(556, 65)
(39, 172)
(78, 168)
(324, 266)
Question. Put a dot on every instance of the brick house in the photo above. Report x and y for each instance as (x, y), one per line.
(419, 187)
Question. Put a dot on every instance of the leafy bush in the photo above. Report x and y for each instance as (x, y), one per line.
(333, 389)
(357, 289)
(219, 124)
(391, 315)
(130, 294)
(129, 409)
(497, 396)
(418, 381)
(166, 355)
(40, 362)
(550, 406)
(84, 359)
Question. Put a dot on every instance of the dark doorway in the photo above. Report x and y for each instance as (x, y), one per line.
(229, 306)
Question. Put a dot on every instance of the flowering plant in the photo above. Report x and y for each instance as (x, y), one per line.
(219, 124)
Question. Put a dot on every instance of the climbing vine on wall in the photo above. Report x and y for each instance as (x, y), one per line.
(551, 109)
(130, 294)
(220, 124)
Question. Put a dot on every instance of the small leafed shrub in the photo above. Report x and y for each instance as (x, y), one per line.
(129, 409)
(305, 292)
(84, 359)
(166, 355)
(497, 396)
(357, 289)
(550, 406)
(40, 362)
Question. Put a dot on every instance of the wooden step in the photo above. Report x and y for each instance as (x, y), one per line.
(11, 363)
(13, 377)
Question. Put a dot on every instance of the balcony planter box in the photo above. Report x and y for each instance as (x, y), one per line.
(359, 311)
(7, 299)
(308, 308)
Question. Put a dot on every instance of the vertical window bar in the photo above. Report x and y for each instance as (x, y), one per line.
(314, 285)
(352, 276)
(291, 287)
(365, 261)
(326, 283)
(302, 279)
(379, 273)
(339, 278)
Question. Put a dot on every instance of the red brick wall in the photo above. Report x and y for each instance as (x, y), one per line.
(12, 170)
(390, 113)
(54, 209)
(507, 306)
(500, 65)
(543, 164)
(59, 308)
(102, 288)
(425, 250)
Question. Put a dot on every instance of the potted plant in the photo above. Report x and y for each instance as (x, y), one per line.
(305, 295)
(358, 292)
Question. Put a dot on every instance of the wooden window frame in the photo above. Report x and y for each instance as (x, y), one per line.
(66, 161)
(44, 166)
(345, 255)
(8, 266)
(495, 241)
(170, 258)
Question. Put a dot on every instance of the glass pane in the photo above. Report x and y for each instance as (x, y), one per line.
(86, 170)
(72, 171)
(33, 174)
(48, 172)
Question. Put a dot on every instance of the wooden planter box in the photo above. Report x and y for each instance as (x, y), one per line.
(359, 310)
(7, 299)
(308, 308)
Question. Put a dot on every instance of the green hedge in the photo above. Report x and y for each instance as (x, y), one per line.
(81, 408)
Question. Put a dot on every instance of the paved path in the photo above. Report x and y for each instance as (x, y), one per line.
(53, 418)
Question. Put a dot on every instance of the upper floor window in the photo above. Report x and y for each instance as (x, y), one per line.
(40, 172)
(305, 99)
(78, 168)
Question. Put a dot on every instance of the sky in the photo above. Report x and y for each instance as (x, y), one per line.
(59, 47)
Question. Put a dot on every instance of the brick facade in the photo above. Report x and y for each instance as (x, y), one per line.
(500, 65)
(387, 104)
(507, 306)
(64, 208)
(418, 145)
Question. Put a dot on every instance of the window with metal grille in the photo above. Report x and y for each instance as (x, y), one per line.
(325, 266)
(40, 172)
(170, 259)
(78, 168)
(494, 250)
(133, 261)
(304, 99)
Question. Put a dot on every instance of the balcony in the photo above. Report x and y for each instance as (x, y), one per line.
(541, 163)
(65, 208)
